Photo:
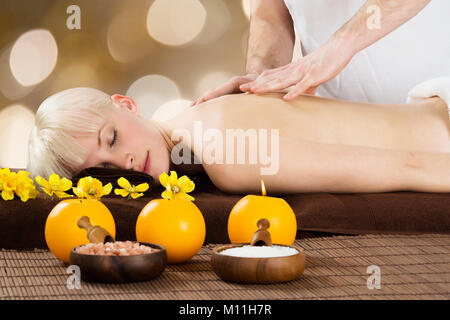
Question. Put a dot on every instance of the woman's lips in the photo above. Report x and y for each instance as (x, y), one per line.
(146, 168)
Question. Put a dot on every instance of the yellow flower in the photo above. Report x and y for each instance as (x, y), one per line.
(129, 189)
(25, 187)
(4, 173)
(18, 183)
(8, 184)
(91, 188)
(176, 188)
(55, 186)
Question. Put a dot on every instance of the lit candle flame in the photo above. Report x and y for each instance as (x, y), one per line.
(263, 188)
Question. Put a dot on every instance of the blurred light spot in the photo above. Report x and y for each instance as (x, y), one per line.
(217, 21)
(211, 81)
(9, 86)
(75, 75)
(33, 57)
(16, 122)
(152, 91)
(175, 22)
(126, 38)
(171, 109)
(246, 8)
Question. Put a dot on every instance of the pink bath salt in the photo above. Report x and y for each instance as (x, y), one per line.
(118, 248)
(83, 250)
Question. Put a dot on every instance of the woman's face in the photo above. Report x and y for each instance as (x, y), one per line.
(127, 141)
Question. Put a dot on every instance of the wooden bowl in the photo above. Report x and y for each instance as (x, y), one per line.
(257, 270)
(120, 269)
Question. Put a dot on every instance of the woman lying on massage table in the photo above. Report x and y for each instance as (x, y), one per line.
(314, 144)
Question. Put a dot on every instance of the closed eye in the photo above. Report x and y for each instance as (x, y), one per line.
(114, 139)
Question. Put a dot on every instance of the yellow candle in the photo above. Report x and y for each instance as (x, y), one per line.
(176, 224)
(62, 232)
(247, 211)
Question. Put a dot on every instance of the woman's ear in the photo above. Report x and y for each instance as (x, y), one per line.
(125, 102)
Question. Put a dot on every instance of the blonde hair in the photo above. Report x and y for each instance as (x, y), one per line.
(71, 113)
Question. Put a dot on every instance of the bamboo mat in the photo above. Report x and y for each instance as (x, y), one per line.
(412, 267)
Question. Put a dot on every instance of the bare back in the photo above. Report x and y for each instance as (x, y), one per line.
(420, 126)
(327, 145)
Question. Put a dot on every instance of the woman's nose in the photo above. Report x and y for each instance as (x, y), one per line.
(129, 161)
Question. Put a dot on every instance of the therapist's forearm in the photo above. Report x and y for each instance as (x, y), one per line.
(268, 48)
(271, 36)
(362, 29)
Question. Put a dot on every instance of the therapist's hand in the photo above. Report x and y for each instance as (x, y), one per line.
(305, 74)
(231, 86)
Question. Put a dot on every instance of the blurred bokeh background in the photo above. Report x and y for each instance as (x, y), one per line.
(162, 53)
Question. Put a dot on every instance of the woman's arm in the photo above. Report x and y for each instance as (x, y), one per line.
(315, 167)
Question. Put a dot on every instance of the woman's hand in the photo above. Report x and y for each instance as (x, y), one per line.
(231, 86)
(306, 74)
